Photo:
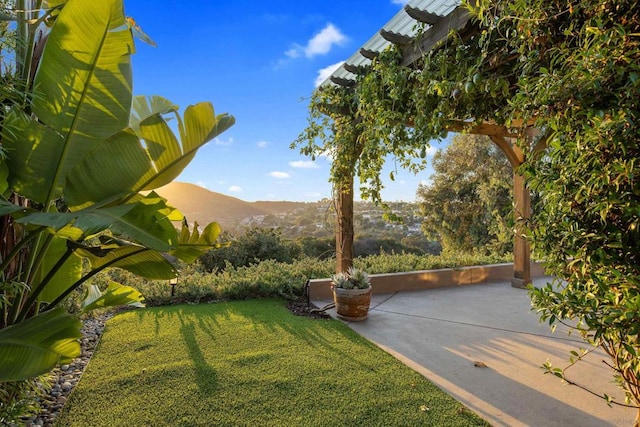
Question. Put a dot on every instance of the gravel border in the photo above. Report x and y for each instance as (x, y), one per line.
(66, 377)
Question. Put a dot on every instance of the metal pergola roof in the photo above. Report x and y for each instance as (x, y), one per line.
(438, 16)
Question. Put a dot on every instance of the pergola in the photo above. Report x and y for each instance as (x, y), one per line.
(438, 17)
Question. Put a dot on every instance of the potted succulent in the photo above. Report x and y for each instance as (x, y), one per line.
(351, 294)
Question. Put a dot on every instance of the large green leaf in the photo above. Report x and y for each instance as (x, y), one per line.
(136, 259)
(65, 275)
(147, 221)
(131, 165)
(77, 225)
(108, 174)
(200, 126)
(149, 224)
(85, 76)
(115, 295)
(147, 106)
(193, 245)
(34, 346)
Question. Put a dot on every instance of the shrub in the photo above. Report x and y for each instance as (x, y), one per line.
(271, 278)
(257, 244)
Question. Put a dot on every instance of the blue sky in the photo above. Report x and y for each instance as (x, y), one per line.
(259, 61)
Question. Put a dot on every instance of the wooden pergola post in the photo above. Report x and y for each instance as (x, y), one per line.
(521, 210)
(344, 225)
(521, 250)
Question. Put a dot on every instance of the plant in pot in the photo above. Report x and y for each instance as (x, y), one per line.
(351, 294)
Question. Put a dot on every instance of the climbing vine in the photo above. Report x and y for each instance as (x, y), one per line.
(571, 68)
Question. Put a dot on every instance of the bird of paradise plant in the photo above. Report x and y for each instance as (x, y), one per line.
(81, 158)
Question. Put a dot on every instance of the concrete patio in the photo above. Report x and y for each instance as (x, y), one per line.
(483, 345)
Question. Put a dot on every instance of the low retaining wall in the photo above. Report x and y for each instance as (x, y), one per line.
(320, 289)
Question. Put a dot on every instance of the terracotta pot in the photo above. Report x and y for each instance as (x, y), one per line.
(352, 304)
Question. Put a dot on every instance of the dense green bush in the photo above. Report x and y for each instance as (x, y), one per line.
(314, 247)
(374, 246)
(255, 245)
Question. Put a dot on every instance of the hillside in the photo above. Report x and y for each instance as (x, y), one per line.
(295, 219)
(204, 206)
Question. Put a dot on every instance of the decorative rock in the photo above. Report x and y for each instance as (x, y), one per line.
(67, 376)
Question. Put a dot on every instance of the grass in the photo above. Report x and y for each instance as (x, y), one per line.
(249, 363)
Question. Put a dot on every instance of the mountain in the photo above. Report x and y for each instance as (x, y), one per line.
(204, 206)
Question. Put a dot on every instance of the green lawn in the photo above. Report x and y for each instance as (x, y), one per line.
(249, 363)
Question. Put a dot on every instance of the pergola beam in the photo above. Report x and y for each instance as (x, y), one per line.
(486, 128)
(456, 20)
(515, 158)
(369, 54)
(342, 82)
(355, 69)
(421, 15)
(395, 38)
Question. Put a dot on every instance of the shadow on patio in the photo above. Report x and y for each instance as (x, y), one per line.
(484, 345)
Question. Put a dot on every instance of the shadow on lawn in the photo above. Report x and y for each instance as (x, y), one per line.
(320, 336)
(206, 376)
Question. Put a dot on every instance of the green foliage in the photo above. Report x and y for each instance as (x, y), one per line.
(582, 63)
(276, 279)
(76, 181)
(312, 247)
(338, 126)
(468, 204)
(249, 363)
(255, 245)
(261, 244)
(398, 263)
(363, 247)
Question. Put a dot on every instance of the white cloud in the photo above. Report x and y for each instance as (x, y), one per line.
(262, 144)
(320, 44)
(295, 51)
(201, 184)
(222, 142)
(304, 164)
(235, 189)
(324, 73)
(280, 175)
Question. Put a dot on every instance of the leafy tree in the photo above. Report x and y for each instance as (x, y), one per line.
(77, 181)
(468, 205)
